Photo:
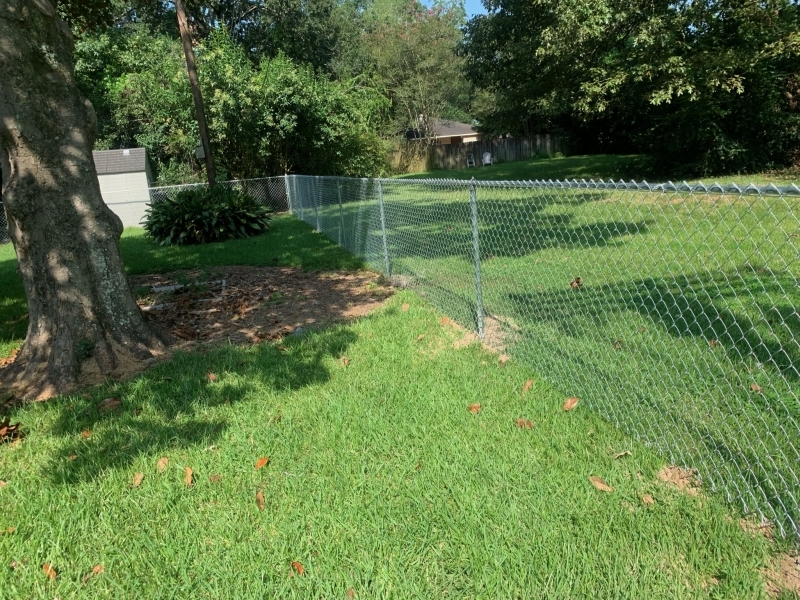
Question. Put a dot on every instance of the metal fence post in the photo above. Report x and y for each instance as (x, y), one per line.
(317, 200)
(287, 187)
(383, 230)
(476, 254)
(341, 212)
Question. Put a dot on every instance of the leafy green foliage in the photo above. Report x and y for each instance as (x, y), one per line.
(205, 215)
(706, 86)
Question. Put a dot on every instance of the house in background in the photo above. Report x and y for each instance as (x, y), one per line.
(449, 133)
(124, 177)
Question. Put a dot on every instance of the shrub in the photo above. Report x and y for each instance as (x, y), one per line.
(203, 215)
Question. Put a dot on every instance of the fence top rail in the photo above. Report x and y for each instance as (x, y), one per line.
(600, 184)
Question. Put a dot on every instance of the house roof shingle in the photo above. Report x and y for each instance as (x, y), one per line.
(130, 160)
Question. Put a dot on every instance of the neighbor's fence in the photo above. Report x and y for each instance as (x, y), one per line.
(671, 310)
(454, 156)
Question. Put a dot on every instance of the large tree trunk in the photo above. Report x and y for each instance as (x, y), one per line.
(83, 318)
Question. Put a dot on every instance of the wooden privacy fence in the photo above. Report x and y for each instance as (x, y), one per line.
(504, 149)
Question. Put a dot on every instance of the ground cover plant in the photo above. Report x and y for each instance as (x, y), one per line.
(381, 476)
(592, 166)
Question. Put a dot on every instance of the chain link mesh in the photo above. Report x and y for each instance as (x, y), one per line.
(671, 310)
(4, 237)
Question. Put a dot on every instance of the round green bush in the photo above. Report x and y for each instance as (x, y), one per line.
(203, 215)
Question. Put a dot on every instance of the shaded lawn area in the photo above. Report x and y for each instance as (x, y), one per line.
(289, 243)
(379, 480)
(594, 166)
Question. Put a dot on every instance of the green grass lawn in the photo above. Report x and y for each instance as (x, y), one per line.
(594, 166)
(687, 303)
(379, 480)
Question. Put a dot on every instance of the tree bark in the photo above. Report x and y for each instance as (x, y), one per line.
(82, 316)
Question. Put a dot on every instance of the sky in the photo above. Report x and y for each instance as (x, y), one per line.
(474, 7)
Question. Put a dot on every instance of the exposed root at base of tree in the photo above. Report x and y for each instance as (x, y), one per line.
(196, 309)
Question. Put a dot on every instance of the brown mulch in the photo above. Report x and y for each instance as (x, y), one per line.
(251, 304)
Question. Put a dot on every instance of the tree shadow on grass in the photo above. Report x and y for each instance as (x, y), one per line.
(173, 405)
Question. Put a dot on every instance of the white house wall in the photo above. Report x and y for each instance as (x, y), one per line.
(127, 195)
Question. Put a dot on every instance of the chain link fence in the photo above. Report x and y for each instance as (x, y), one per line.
(4, 237)
(671, 310)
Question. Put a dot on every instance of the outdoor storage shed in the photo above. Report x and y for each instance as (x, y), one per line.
(124, 177)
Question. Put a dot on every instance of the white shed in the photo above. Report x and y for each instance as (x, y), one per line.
(124, 182)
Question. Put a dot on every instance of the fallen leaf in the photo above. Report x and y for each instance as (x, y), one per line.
(642, 328)
(215, 478)
(621, 454)
(86, 434)
(345, 361)
(162, 464)
(281, 348)
(647, 499)
(351, 593)
(261, 462)
(188, 478)
(571, 403)
(713, 343)
(137, 479)
(524, 423)
(49, 571)
(260, 500)
(96, 570)
(420, 336)
(527, 387)
(618, 345)
(211, 377)
(109, 404)
(8, 531)
(3, 483)
(8, 432)
(445, 321)
(14, 564)
(683, 479)
(576, 283)
(298, 567)
(474, 408)
(504, 358)
(72, 456)
(600, 484)
(405, 307)
(755, 387)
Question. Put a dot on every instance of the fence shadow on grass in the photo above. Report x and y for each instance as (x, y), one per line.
(174, 405)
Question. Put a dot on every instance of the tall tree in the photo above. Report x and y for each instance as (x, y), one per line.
(82, 315)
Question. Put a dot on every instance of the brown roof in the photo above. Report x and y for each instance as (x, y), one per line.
(129, 160)
(445, 128)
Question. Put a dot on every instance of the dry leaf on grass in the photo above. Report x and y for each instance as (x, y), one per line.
(647, 500)
(298, 567)
(420, 336)
(713, 343)
(72, 457)
(8, 432)
(524, 423)
(445, 321)
(755, 387)
(621, 454)
(344, 360)
(211, 377)
(96, 570)
(162, 464)
(571, 403)
(504, 358)
(351, 593)
(600, 484)
(683, 479)
(405, 307)
(86, 434)
(137, 479)
(474, 408)
(617, 344)
(8, 531)
(48, 571)
(527, 387)
(261, 462)
(3, 483)
(215, 478)
(109, 404)
(188, 478)
(260, 500)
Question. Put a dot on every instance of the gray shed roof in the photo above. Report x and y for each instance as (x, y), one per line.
(129, 160)
(446, 128)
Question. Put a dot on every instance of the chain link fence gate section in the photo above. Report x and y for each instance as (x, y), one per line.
(671, 310)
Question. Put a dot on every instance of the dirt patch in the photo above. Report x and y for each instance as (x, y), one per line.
(243, 305)
(684, 479)
(498, 332)
(783, 576)
(758, 526)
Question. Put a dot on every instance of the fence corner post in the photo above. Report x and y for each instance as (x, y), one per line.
(287, 186)
(476, 256)
(386, 264)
